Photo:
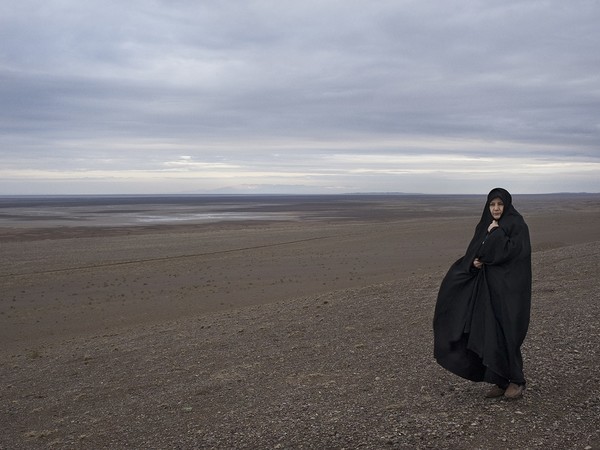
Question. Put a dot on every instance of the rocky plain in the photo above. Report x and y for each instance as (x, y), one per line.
(311, 333)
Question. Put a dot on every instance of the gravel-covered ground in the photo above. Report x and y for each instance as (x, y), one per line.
(349, 369)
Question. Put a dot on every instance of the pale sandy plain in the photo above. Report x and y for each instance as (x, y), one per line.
(306, 333)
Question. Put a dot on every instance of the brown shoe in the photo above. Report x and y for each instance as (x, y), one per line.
(495, 391)
(514, 391)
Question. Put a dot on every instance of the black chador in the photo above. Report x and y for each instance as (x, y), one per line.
(482, 315)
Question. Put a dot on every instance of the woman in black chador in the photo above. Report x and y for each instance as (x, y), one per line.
(482, 311)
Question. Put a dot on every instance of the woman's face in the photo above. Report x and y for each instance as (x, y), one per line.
(496, 208)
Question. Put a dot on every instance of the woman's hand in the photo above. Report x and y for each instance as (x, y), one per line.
(493, 225)
(477, 264)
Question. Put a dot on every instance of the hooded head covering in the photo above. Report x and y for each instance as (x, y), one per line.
(502, 194)
(486, 216)
(506, 198)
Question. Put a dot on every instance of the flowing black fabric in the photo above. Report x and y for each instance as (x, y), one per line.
(482, 315)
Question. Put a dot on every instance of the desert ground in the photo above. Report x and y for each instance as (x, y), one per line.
(311, 333)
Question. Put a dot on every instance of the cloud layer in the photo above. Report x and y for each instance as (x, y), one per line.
(320, 96)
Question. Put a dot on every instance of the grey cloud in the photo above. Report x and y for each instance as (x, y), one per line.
(194, 73)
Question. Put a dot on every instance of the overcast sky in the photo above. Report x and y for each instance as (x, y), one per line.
(323, 96)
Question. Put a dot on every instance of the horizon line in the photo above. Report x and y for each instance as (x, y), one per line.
(288, 194)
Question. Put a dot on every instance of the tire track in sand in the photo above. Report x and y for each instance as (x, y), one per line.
(163, 258)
